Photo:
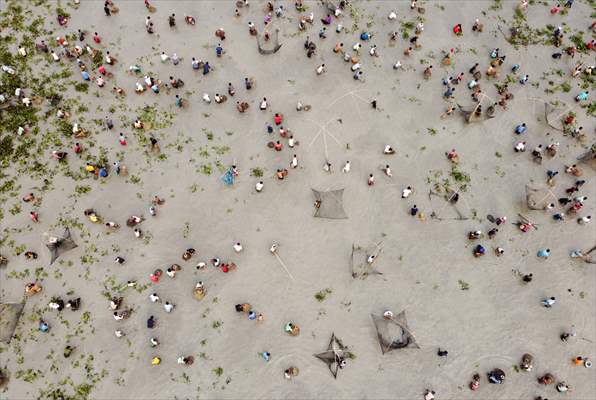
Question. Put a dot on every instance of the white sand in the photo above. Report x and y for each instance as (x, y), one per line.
(490, 325)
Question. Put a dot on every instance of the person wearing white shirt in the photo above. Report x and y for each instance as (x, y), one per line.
(406, 192)
(346, 167)
(388, 171)
(154, 297)
(294, 162)
(259, 186)
(168, 307)
(237, 247)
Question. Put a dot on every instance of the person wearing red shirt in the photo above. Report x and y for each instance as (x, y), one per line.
(277, 119)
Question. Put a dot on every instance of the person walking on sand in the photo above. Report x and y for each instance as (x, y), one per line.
(543, 253)
(548, 303)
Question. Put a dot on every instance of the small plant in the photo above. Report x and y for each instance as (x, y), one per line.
(81, 87)
(206, 169)
(256, 172)
(463, 285)
(218, 371)
(322, 295)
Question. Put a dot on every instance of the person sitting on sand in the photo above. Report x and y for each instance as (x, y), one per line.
(291, 373)
(133, 220)
(292, 329)
(473, 235)
(172, 270)
(546, 379)
(388, 150)
(32, 289)
(452, 156)
(187, 255)
(479, 251)
(199, 291)
(244, 307)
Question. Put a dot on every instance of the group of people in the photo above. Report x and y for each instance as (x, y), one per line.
(83, 55)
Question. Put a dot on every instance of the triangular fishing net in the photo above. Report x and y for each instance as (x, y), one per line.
(468, 113)
(276, 44)
(553, 115)
(59, 245)
(393, 332)
(331, 7)
(538, 198)
(334, 356)
(359, 265)
(452, 198)
(10, 313)
(589, 157)
(329, 204)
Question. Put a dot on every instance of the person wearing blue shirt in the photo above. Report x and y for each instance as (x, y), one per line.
(521, 128)
(582, 96)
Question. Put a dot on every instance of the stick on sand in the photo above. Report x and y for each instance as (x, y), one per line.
(284, 266)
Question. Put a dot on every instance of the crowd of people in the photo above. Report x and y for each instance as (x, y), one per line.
(85, 52)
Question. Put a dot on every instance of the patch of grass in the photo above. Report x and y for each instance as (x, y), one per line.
(221, 150)
(81, 87)
(206, 169)
(256, 172)
(82, 189)
(218, 371)
(322, 295)
(463, 285)
(565, 87)
(460, 177)
(497, 5)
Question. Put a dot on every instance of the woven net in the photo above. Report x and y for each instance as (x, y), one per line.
(538, 198)
(329, 204)
(359, 265)
(59, 245)
(334, 356)
(10, 313)
(393, 333)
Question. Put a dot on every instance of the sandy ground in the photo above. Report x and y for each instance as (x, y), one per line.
(489, 325)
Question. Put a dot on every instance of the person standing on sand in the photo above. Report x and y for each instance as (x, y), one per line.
(548, 303)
